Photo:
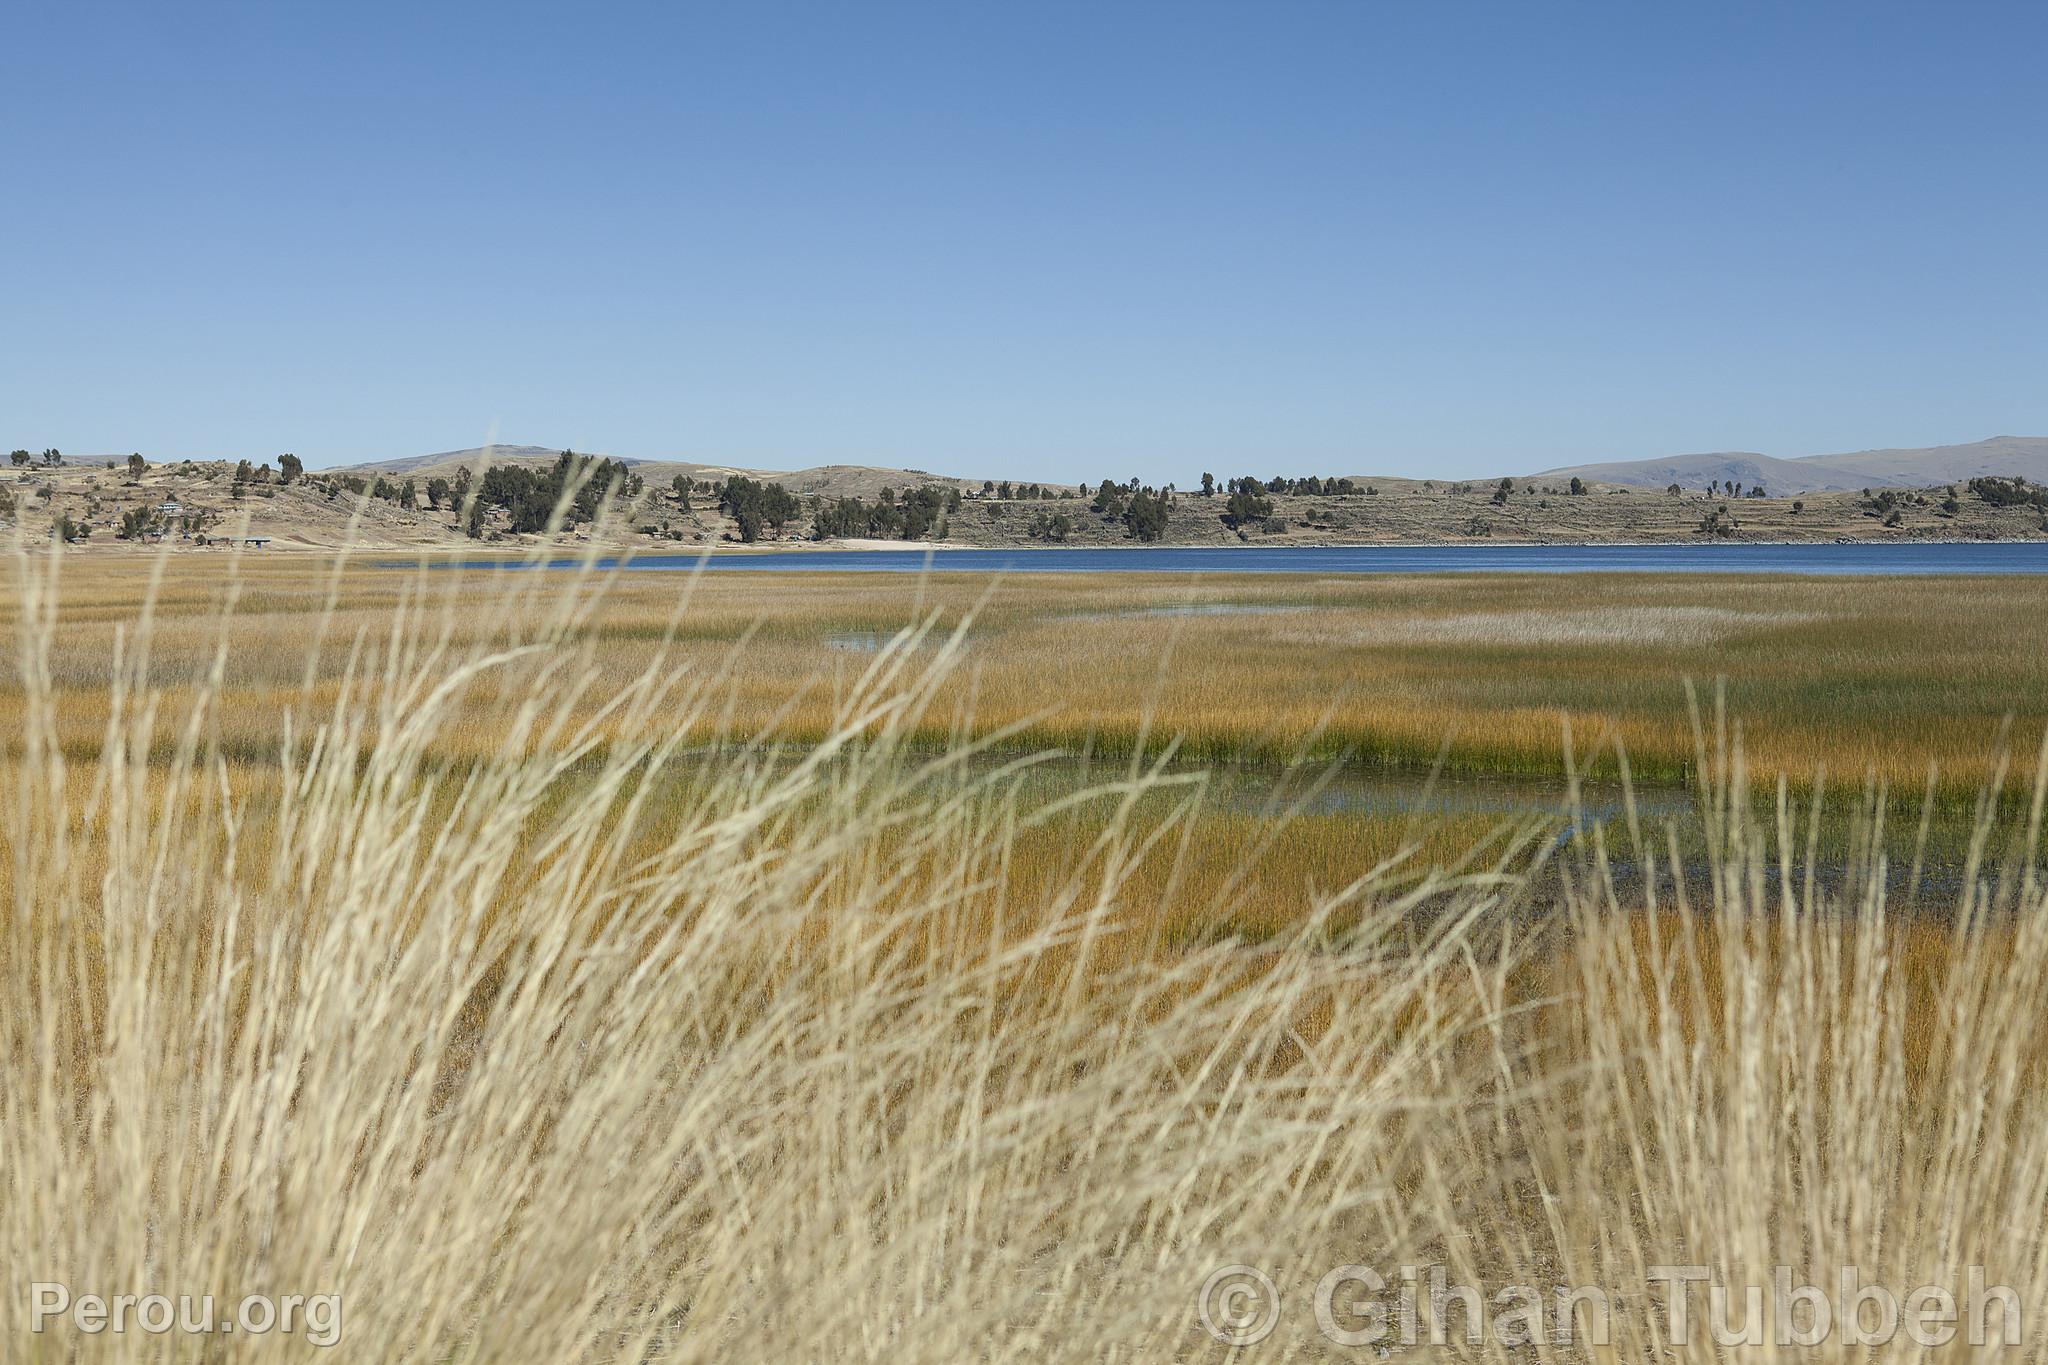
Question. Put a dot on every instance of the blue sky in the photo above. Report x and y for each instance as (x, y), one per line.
(1036, 240)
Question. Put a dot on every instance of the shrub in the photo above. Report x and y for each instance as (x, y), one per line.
(2013, 492)
(1719, 522)
(1054, 527)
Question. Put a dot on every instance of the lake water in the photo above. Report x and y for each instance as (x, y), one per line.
(1904, 558)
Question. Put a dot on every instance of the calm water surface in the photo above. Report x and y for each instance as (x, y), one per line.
(2028, 558)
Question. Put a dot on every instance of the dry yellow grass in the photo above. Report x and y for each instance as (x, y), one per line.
(552, 981)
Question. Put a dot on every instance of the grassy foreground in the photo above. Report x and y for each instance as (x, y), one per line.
(553, 980)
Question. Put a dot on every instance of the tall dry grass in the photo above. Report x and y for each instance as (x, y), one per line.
(523, 1073)
(1757, 1074)
(612, 1042)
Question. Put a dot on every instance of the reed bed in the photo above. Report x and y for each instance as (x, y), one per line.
(1854, 677)
(546, 995)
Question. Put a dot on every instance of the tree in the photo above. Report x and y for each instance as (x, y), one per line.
(753, 504)
(530, 497)
(137, 466)
(923, 510)
(1500, 494)
(918, 513)
(846, 517)
(20, 458)
(1208, 485)
(1109, 500)
(289, 467)
(1247, 504)
(437, 493)
(2015, 492)
(1798, 505)
(136, 523)
(408, 496)
(1578, 487)
(1145, 515)
(53, 456)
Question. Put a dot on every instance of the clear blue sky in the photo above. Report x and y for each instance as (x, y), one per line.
(1032, 239)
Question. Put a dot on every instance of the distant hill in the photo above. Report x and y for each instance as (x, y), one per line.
(2026, 456)
(833, 480)
(455, 459)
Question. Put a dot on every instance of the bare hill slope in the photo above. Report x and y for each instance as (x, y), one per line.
(2025, 456)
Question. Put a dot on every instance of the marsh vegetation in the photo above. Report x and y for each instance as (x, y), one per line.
(574, 966)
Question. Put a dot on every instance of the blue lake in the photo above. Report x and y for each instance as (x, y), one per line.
(1905, 558)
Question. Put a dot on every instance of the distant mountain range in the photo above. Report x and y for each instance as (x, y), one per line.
(835, 480)
(2026, 456)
